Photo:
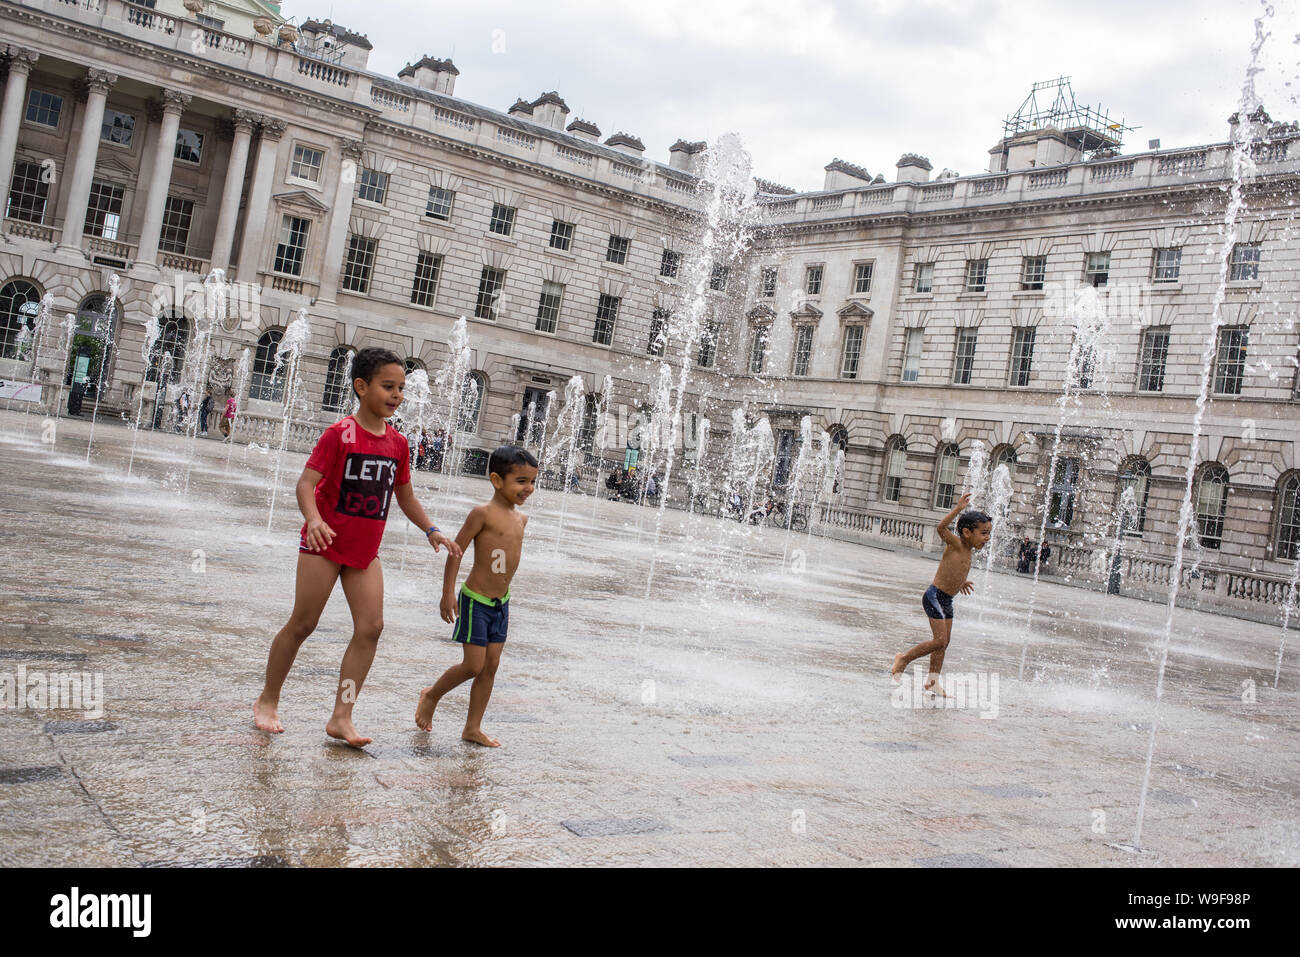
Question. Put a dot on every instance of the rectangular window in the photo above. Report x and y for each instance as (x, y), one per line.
(718, 278)
(768, 283)
(117, 128)
(1155, 350)
(913, 341)
(548, 306)
(616, 252)
(945, 484)
(1245, 262)
(758, 350)
(606, 316)
(1033, 272)
(1230, 360)
(439, 206)
(895, 469)
(292, 248)
(104, 210)
(425, 287)
(964, 362)
(44, 108)
(189, 146)
(1097, 269)
(708, 346)
(924, 277)
(852, 352)
(670, 263)
(1085, 363)
(1166, 264)
(862, 277)
(372, 186)
(178, 215)
(503, 220)
(1022, 355)
(977, 275)
(359, 263)
(490, 283)
(812, 280)
(306, 164)
(29, 193)
(561, 235)
(1064, 490)
(658, 333)
(212, 22)
(803, 350)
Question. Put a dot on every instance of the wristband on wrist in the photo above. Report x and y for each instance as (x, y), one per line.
(432, 529)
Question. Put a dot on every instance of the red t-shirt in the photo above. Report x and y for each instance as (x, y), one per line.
(359, 471)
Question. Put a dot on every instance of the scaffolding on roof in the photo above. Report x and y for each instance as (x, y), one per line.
(1089, 128)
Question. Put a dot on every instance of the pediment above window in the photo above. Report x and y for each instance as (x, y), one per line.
(761, 313)
(806, 313)
(300, 199)
(855, 313)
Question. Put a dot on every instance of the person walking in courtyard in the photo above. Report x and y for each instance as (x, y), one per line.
(205, 410)
(350, 479)
(973, 531)
(482, 613)
(228, 417)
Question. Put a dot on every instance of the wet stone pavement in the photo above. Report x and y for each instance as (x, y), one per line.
(739, 715)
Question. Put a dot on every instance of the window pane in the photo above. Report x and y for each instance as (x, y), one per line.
(924, 277)
(1155, 351)
(44, 108)
(503, 220)
(306, 163)
(606, 316)
(177, 217)
(964, 363)
(189, 146)
(289, 252)
(358, 264)
(912, 345)
(490, 284)
(117, 128)
(561, 235)
(425, 287)
(439, 203)
(29, 193)
(548, 306)
(862, 277)
(852, 352)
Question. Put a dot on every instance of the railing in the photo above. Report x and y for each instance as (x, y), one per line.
(1181, 163)
(574, 156)
(110, 247)
(892, 527)
(936, 193)
(820, 203)
(679, 185)
(18, 227)
(140, 17)
(624, 170)
(91, 5)
(226, 42)
(1269, 152)
(1048, 179)
(783, 208)
(183, 263)
(984, 187)
(268, 430)
(515, 138)
(1107, 172)
(325, 72)
(876, 197)
(390, 100)
(452, 118)
(285, 284)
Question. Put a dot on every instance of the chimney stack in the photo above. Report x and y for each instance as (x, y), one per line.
(430, 73)
(687, 157)
(584, 130)
(844, 175)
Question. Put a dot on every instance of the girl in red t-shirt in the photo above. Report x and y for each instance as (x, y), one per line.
(344, 493)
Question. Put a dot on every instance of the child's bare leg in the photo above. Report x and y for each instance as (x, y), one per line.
(932, 683)
(471, 664)
(479, 693)
(364, 588)
(939, 631)
(315, 581)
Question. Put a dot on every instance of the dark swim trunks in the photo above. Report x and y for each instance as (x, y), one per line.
(937, 604)
(482, 620)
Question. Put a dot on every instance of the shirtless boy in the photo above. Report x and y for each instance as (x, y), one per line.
(973, 531)
(482, 613)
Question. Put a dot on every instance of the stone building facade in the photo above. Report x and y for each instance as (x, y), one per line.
(909, 318)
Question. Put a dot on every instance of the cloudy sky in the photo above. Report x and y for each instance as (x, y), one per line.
(804, 81)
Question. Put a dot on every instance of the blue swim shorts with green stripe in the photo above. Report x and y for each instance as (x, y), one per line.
(482, 620)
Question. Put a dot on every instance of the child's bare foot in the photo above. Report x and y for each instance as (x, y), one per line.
(935, 687)
(897, 671)
(478, 737)
(265, 717)
(343, 729)
(424, 710)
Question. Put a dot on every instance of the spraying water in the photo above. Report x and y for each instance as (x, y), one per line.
(33, 335)
(114, 289)
(152, 329)
(287, 357)
(241, 385)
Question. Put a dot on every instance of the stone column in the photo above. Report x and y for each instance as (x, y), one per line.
(97, 85)
(337, 242)
(173, 105)
(229, 211)
(259, 198)
(21, 61)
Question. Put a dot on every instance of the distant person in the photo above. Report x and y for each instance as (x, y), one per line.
(482, 612)
(182, 410)
(205, 410)
(75, 397)
(344, 493)
(973, 531)
(1026, 556)
(228, 417)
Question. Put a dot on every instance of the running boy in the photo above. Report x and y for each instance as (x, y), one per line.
(497, 531)
(344, 494)
(973, 531)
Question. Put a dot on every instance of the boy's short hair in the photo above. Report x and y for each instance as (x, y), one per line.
(971, 519)
(369, 361)
(506, 457)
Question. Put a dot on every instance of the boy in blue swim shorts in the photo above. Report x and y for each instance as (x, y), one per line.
(973, 531)
(481, 612)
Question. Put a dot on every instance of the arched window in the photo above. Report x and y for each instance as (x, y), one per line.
(471, 401)
(1288, 518)
(895, 468)
(92, 342)
(265, 384)
(173, 335)
(1005, 455)
(839, 437)
(410, 365)
(338, 381)
(1135, 474)
(945, 476)
(1211, 504)
(19, 303)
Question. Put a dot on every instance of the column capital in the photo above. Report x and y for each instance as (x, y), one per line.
(244, 121)
(174, 101)
(352, 149)
(22, 60)
(272, 129)
(99, 81)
